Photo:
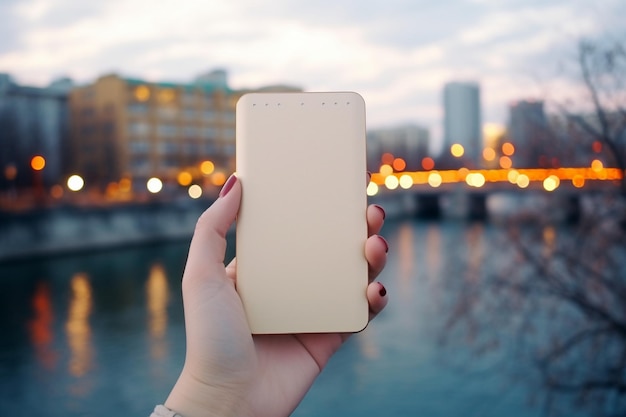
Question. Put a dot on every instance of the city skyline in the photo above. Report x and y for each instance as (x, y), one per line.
(397, 55)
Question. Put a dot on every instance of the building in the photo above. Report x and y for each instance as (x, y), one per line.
(33, 122)
(462, 119)
(409, 142)
(136, 129)
(528, 132)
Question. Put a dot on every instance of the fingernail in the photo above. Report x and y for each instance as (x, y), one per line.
(228, 185)
(382, 291)
(382, 210)
(385, 243)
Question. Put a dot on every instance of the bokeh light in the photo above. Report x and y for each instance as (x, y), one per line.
(578, 181)
(428, 163)
(154, 185)
(391, 182)
(75, 183)
(207, 167)
(399, 164)
(56, 191)
(406, 181)
(195, 191)
(125, 185)
(551, 183)
(457, 150)
(218, 179)
(142, 93)
(597, 146)
(385, 170)
(184, 178)
(372, 189)
(475, 179)
(387, 158)
(10, 172)
(489, 154)
(434, 179)
(597, 165)
(523, 181)
(38, 162)
(508, 149)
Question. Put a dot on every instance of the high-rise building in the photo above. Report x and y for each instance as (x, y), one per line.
(528, 132)
(462, 119)
(134, 128)
(33, 122)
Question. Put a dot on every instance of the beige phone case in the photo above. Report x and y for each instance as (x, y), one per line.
(302, 228)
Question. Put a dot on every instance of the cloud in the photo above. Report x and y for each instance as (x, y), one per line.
(397, 53)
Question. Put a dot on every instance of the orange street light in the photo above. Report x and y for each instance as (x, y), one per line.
(38, 162)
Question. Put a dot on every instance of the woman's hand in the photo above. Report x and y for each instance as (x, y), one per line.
(227, 371)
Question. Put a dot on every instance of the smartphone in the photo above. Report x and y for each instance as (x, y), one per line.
(301, 228)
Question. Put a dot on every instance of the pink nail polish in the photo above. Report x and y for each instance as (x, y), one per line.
(382, 210)
(228, 185)
(384, 243)
(382, 291)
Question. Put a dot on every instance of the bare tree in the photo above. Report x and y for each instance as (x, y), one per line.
(558, 303)
(603, 74)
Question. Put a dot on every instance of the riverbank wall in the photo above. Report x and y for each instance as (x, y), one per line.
(70, 229)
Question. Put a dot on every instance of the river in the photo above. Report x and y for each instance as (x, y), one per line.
(100, 334)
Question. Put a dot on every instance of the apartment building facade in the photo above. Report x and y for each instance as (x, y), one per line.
(127, 128)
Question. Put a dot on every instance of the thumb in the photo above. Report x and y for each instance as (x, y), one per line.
(208, 245)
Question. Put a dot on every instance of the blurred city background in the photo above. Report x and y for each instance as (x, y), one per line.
(496, 140)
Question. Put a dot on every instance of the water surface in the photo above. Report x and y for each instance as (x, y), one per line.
(102, 334)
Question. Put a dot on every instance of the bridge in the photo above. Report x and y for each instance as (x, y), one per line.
(471, 188)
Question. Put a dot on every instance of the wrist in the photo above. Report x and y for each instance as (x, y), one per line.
(192, 398)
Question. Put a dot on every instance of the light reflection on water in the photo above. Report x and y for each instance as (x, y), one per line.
(40, 327)
(157, 293)
(103, 334)
(77, 326)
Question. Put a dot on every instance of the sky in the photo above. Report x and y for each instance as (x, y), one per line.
(397, 54)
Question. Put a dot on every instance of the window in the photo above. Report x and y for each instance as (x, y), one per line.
(141, 93)
(166, 147)
(88, 93)
(139, 129)
(167, 112)
(229, 134)
(87, 130)
(190, 148)
(189, 98)
(137, 109)
(190, 114)
(207, 100)
(167, 131)
(87, 112)
(209, 115)
(228, 117)
(209, 133)
(108, 128)
(210, 148)
(169, 162)
(139, 147)
(139, 164)
(229, 149)
(191, 132)
(167, 95)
